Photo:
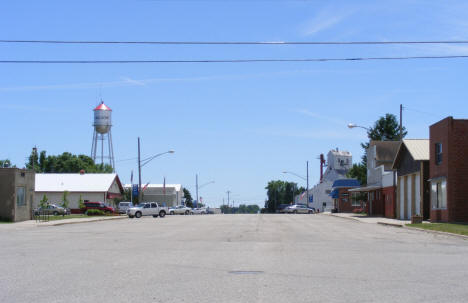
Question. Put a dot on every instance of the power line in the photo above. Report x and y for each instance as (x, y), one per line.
(237, 42)
(226, 60)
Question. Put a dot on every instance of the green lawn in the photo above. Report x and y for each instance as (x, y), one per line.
(461, 229)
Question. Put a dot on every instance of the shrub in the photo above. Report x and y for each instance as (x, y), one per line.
(94, 212)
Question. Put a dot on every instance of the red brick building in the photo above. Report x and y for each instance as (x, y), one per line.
(343, 200)
(449, 170)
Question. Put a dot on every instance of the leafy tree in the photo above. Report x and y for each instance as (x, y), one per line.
(280, 192)
(386, 128)
(6, 163)
(65, 201)
(43, 202)
(81, 202)
(188, 198)
(358, 171)
(65, 163)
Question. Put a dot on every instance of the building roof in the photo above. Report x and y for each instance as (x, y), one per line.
(102, 106)
(177, 187)
(418, 149)
(346, 183)
(385, 150)
(76, 182)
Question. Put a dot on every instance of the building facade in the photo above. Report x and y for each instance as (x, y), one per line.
(170, 194)
(338, 165)
(16, 194)
(412, 167)
(449, 170)
(87, 187)
(343, 200)
(381, 179)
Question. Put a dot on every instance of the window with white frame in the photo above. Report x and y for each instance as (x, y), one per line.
(439, 193)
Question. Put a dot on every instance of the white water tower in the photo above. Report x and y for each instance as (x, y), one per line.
(103, 136)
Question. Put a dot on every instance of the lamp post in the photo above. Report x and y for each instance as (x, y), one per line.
(146, 161)
(353, 125)
(303, 178)
(197, 187)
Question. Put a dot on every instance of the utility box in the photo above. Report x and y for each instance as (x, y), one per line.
(16, 194)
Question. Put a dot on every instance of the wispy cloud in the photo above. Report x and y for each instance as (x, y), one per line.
(324, 20)
(318, 116)
(306, 134)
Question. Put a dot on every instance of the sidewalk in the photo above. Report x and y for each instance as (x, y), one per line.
(374, 220)
(34, 223)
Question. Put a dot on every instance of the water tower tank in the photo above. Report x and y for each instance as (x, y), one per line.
(102, 118)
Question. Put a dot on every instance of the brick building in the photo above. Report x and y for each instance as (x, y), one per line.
(343, 200)
(449, 170)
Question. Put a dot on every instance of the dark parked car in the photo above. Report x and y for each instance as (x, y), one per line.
(99, 205)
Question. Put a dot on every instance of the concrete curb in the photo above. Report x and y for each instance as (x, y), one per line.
(78, 221)
(391, 224)
(346, 218)
(442, 233)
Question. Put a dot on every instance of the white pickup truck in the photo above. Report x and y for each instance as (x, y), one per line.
(147, 209)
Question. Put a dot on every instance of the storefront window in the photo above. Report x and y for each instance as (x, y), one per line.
(439, 193)
(20, 196)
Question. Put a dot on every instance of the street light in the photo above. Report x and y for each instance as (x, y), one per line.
(198, 187)
(353, 125)
(146, 161)
(305, 179)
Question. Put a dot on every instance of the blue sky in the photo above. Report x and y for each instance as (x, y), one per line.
(238, 124)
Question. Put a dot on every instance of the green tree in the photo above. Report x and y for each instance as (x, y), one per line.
(43, 202)
(358, 171)
(6, 163)
(65, 163)
(188, 198)
(280, 192)
(65, 201)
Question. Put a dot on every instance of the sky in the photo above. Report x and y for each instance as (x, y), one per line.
(238, 124)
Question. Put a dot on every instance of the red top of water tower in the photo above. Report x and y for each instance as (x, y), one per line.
(102, 106)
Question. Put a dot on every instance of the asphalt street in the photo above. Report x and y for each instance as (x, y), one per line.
(230, 258)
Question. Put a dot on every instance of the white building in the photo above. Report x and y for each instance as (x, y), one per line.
(91, 187)
(171, 194)
(338, 165)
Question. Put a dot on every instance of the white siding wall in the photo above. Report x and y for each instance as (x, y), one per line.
(402, 198)
(417, 194)
(408, 184)
(73, 198)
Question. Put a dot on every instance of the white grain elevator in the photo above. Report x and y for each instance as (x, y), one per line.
(102, 138)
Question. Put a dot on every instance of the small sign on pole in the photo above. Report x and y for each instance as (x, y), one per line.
(135, 190)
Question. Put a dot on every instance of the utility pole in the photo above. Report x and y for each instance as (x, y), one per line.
(401, 122)
(139, 172)
(196, 188)
(228, 193)
(34, 157)
(307, 189)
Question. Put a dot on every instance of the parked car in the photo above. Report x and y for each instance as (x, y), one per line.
(51, 209)
(98, 205)
(299, 209)
(124, 206)
(199, 211)
(147, 209)
(180, 210)
(282, 208)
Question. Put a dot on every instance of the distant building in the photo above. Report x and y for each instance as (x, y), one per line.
(90, 187)
(343, 200)
(338, 165)
(449, 170)
(171, 194)
(381, 179)
(412, 166)
(16, 194)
